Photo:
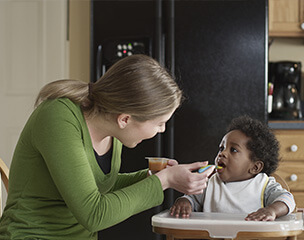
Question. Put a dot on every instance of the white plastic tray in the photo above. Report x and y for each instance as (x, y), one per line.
(222, 225)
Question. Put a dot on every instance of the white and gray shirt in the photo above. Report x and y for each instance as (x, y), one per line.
(240, 197)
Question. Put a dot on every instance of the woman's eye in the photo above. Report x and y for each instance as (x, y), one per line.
(221, 148)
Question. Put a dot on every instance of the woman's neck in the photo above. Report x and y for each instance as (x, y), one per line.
(99, 129)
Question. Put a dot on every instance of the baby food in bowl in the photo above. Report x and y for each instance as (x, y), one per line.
(157, 163)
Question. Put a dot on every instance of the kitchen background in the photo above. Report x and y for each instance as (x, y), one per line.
(289, 49)
(42, 41)
(46, 40)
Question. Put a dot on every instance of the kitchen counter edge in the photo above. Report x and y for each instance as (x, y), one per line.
(276, 124)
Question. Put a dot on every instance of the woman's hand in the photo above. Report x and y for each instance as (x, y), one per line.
(172, 162)
(182, 178)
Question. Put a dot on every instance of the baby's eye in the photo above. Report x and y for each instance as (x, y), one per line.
(221, 148)
(233, 150)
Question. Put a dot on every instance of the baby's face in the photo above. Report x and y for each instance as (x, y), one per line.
(234, 157)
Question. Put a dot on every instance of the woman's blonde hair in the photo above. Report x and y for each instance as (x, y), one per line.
(136, 85)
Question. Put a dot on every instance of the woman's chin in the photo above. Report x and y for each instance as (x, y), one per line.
(131, 145)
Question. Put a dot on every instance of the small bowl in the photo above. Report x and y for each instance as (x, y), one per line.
(157, 163)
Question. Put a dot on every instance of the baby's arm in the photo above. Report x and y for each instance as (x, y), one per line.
(186, 204)
(269, 213)
(278, 202)
(182, 207)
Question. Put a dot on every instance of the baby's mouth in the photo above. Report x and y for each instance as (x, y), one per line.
(221, 166)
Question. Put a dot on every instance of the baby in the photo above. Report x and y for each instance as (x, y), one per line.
(248, 155)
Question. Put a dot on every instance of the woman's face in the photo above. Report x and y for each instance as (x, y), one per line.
(234, 157)
(135, 132)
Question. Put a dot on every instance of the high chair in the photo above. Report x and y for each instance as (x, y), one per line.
(281, 181)
(4, 171)
(202, 225)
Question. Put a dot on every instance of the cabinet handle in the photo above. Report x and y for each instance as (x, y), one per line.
(294, 148)
(293, 177)
(302, 26)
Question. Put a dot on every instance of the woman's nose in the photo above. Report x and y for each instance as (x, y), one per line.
(162, 129)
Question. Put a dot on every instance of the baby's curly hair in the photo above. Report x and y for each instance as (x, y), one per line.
(263, 145)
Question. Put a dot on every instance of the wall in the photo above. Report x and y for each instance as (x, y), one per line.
(33, 52)
(79, 39)
(289, 49)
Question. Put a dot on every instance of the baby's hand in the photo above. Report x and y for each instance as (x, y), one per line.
(263, 214)
(182, 207)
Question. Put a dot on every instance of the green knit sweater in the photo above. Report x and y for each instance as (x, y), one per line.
(56, 187)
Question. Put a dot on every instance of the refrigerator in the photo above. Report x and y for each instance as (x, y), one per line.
(217, 51)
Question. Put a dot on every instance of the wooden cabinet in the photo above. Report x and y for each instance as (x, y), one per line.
(286, 18)
(291, 167)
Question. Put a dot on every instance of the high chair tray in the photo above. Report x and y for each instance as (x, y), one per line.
(223, 225)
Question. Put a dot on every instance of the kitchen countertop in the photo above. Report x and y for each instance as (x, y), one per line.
(279, 124)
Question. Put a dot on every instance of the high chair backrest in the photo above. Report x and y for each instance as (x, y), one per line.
(280, 180)
(4, 178)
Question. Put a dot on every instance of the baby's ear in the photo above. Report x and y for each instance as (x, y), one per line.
(257, 167)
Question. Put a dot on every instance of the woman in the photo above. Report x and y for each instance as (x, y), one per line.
(64, 180)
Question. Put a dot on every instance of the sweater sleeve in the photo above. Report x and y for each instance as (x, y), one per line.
(196, 201)
(274, 192)
(58, 138)
(127, 179)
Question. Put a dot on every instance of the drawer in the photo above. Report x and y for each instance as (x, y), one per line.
(300, 237)
(291, 144)
(299, 198)
(293, 173)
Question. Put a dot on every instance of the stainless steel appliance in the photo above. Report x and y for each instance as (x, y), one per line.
(217, 51)
(286, 79)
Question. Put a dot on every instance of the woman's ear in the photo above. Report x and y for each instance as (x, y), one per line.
(123, 120)
(257, 167)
